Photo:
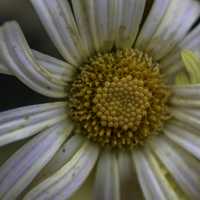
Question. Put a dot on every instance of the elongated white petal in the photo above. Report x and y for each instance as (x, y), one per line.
(57, 18)
(18, 172)
(4, 70)
(61, 72)
(173, 27)
(187, 91)
(82, 18)
(186, 117)
(173, 62)
(129, 185)
(179, 101)
(186, 137)
(17, 56)
(107, 178)
(65, 153)
(102, 22)
(130, 16)
(162, 175)
(152, 22)
(69, 178)
(182, 166)
(148, 182)
(26, 121)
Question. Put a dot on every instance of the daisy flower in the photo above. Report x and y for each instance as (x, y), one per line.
(127, 108)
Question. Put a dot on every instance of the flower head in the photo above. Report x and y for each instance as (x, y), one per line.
(128, 106)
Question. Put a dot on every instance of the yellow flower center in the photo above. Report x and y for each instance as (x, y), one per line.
(119, 99)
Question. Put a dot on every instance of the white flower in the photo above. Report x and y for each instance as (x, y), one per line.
(59, 158)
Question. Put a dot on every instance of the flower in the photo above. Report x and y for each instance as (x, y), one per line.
(128, 107)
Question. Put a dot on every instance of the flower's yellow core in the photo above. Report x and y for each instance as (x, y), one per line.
(119, 99)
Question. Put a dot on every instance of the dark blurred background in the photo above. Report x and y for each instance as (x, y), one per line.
(12, 92)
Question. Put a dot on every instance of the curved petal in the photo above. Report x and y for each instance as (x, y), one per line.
(26, 121)
(107, 185)
(192, 65)
(69, 178)
(57, 71)
(181, 165)
(61, 72)
(18, 57)
(129, 185)
(173, 27)
(186, 137)
(57, 17)
(148, 182)
(130, 17)
(18, 172)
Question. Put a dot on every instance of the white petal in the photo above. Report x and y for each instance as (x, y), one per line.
(130, 17)
(65, 153)
(129, 185)
(61, 72)
(56, 16)
(69, 178)
(173, 62)
(103, 20)
(182, 166)
(17, 56)
(107, 178)
(187, 91)
(186, 137)
(26, 121)
(58, 71)
(18, 172)
(152, 22)
(186, 117)
(179, 101)
(3, 69)
(173, 27)
(82, 18)
(148, 182)
(162, 175)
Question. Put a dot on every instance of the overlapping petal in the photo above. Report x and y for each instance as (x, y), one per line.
(18, 172)
(187, 137)
(163, 176)
(57, 17)
(69, 178)
(170, 28)
(62, 156)
(173, 61)
(181, 165)
(27, 121)
(130, 17)
(17, 56)
(148, 181)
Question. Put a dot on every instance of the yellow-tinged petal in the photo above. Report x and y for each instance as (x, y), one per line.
(192, 65)
(182, 79)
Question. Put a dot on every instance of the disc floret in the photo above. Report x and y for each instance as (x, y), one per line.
(119, 99)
